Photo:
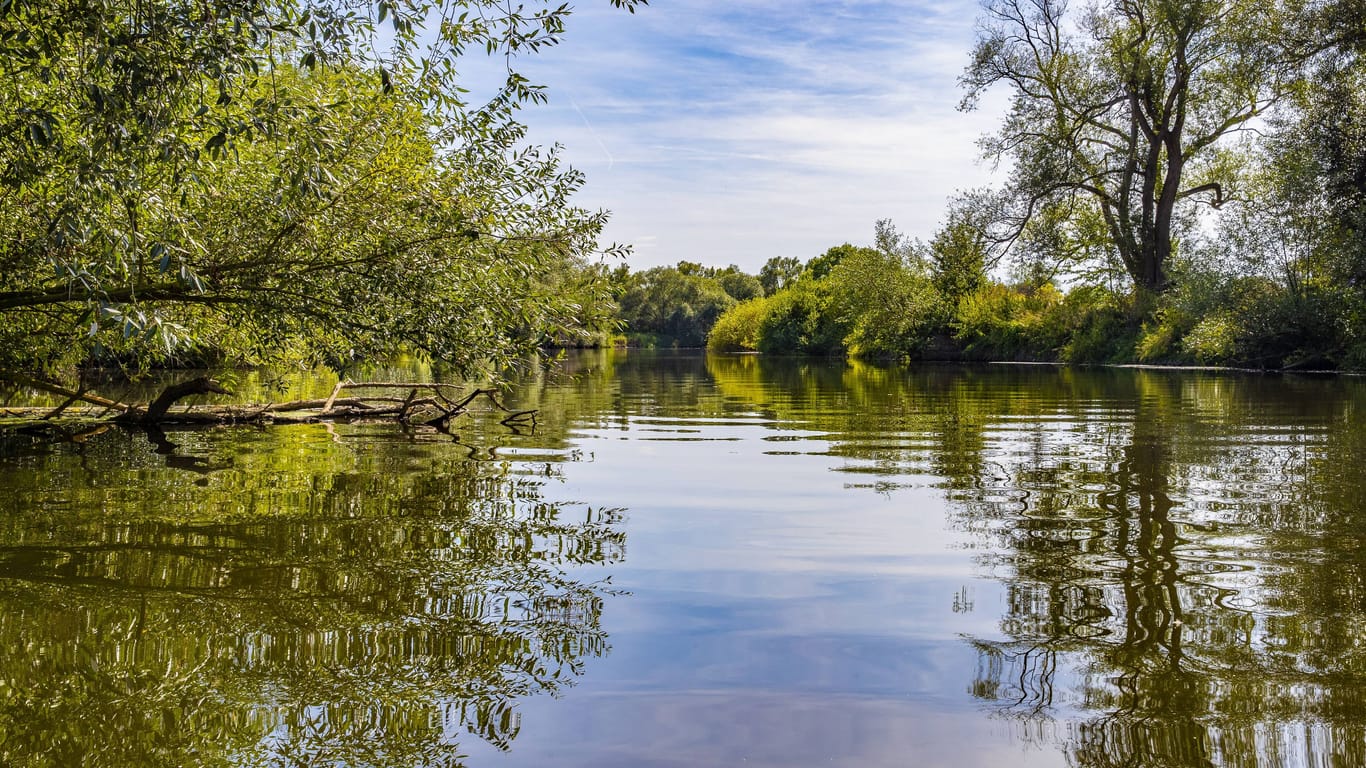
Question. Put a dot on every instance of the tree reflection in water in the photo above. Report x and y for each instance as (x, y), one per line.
(309, 603)
(1183, 554)
(1154, 555)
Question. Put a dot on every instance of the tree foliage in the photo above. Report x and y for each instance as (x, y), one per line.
(870, 301)
(960, 251)
(1120, 110)
(676, 306)
(887, 302)
(258, 178)
(778, 272)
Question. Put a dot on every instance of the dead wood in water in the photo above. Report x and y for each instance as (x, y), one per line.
(421, 403)
(199, 386)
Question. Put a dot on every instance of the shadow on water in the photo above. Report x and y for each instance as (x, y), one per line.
(295, 599)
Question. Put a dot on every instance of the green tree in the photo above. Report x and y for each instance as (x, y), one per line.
(737, 329)
(821, 266)
(172, 169)
(675, 307)
(875, 302)
(800, 319)
(1281, 281)
(385, 242)
(886, 300)
(959, 252)
(1123, 108)
(778, 272)
(739, 285)
(1315, 163)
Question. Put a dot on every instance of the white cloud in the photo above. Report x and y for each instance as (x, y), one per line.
(729, 133)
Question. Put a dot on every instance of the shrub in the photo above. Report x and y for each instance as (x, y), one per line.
(1094, 326)
(1249, 320)
(1214, 339)
(1004, 323)
(1196, 297)
(888, 304)
(737, 330)
(1277, 327)
(799, 320)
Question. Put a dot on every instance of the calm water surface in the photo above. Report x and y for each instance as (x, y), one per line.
(699, 561)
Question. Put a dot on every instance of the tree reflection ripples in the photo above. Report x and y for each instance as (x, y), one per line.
(1182, 554)
(311, 602)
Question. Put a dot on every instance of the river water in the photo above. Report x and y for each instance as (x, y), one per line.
(708, 561)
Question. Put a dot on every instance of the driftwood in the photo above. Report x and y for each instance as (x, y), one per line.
(421, 403)
(203, 385)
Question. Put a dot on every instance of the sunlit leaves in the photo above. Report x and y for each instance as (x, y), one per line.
(1114, 109)
(206, 163)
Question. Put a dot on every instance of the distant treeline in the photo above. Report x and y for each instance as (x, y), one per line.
(910, 300)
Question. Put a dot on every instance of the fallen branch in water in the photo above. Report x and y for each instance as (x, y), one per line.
(438, 408)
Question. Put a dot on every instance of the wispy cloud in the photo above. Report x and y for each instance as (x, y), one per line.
(727, 132)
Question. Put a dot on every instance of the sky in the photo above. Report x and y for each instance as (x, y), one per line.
(732, 131)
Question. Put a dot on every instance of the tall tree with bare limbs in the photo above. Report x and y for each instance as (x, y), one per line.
(1121, 107)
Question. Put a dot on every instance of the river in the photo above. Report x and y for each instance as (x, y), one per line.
(708, 561)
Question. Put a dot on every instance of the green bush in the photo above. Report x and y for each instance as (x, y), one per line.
(888, 304)
(1196, 297)
(1214, 339)
(738, 329)
(1095, 324)
(799, 320)
(998, 322)
(1281, 328)
(1249, 321)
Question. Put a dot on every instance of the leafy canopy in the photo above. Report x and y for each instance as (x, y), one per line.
(252, 178)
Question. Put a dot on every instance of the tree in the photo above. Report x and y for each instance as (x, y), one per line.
(1123, 108)
(802, 319)
(258, 176)
(675, 306)
(1281, 281)
(891, 242)
(959, 253)
(821, 266)
(885, 300)
(739, 285)
(385, 242)
(778, 272)
(1320, 141)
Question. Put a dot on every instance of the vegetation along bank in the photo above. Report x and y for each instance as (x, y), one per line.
(245, 183)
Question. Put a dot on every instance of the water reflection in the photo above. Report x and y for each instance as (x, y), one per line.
(830, 563)
(1181, 553)
(1145, 548)
(295, 600)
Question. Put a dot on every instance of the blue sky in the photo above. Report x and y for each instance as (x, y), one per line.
(732, 132)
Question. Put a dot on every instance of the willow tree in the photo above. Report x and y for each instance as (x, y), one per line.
(1122, 108)
(255, 177)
